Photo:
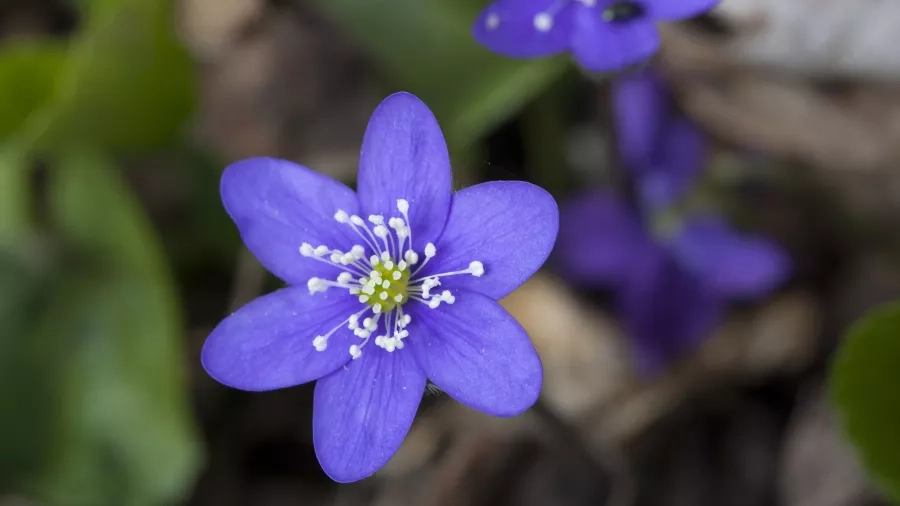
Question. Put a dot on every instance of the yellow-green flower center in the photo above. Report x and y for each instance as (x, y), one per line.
(386, 286)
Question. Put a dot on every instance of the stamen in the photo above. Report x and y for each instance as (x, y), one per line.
(377, 273)
(320, 342)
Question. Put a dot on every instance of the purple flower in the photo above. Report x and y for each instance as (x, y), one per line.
(603, 35)
(389, 285)
(671, 290)
(661, 147)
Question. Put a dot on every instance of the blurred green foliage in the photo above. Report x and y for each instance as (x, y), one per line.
(92, 369)
(427, 49)
(864, 389)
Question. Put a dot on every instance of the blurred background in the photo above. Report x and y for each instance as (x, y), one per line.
(116, 257)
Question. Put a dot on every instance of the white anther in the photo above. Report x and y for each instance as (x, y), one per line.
(402, 205)
(347, 259)
(344, 278)
(306, 249)
(371, 325)
(434, 303)
(320, 251)
(447, 297)
(376, 219)
(374, 260)
(320, 342)
(492, 21)
(336, 257)
(398, 298)
(380, 231)
(430, 250)
(376, 308)
(543, 22)
(315, 285)
(355, 351)
(341, 216)
(401, 265)
(395, 223)
(385, 256)
(397, 275)
(383, 296)
(405, 320)
(476, 268)
(364, 298)
(411, 257)
(358, 252)
(356, 220)
(353, 324)
(385, 284)
(362, 333)
(403, 233)
(389, 265)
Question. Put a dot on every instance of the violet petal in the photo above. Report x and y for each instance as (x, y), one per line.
(477, 353)
(509, 226)
(732, 263)
(278, 205)
(600, 239)
(362, 413)
(404, 156)
(267, 344)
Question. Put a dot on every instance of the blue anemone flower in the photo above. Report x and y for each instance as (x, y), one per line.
(389, 286)
(602, 35)
(663, 149)
(671, 287)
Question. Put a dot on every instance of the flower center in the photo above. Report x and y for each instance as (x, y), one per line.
(623, 12)
(381, 273)
(386, 285)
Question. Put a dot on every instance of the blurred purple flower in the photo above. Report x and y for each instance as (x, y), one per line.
(670, 292)
(662, 148)
(602, 35)
(378, 304)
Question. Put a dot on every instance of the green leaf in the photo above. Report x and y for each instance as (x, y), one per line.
(864, 379)
(29, 75)
(427, 48)
(31, 362)
(129, 83)
(15, 195)
(130, 437)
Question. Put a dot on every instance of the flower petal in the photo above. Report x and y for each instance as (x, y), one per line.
(678, 163)
(477, 353)
(278, 205)
(736, 265)
(268, 343)
(599, 240)
(666, 310)
(600, 46)
(678, 9)
(363, 412)
(509, 226)
(508, 27)
(404, 156)
(641, 104)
